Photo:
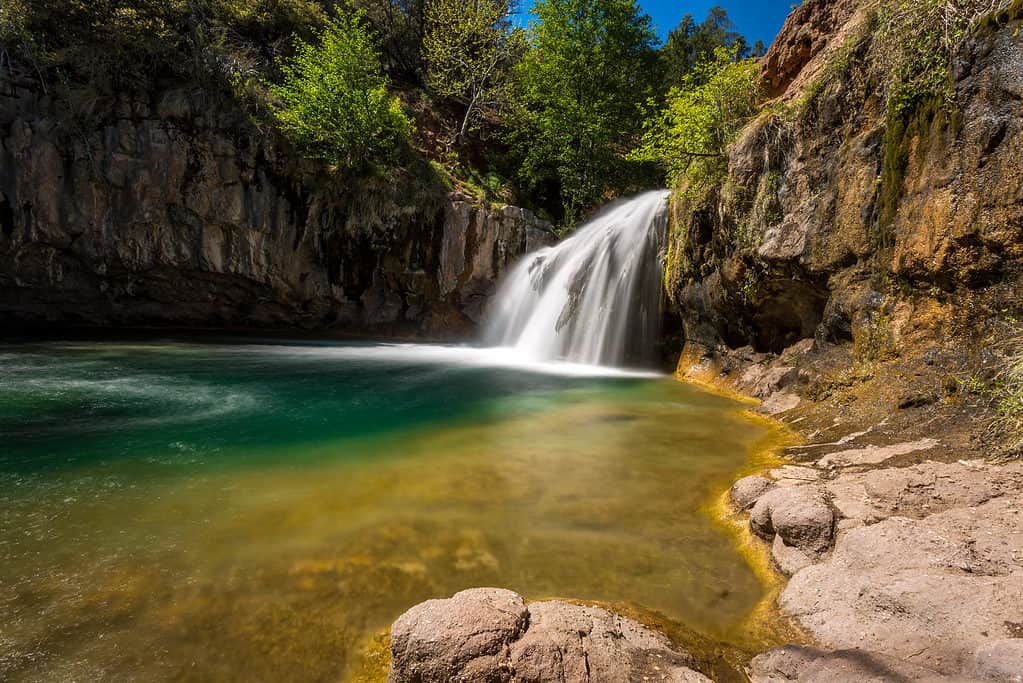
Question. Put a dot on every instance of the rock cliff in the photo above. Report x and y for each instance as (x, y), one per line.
(173, 209)
(860, 270)
(846, 223)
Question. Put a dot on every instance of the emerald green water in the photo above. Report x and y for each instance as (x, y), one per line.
(174, 511)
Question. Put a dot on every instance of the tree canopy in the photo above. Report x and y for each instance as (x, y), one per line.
(581, 87)
(333, 101)
(703, 115)
(550, 116)
(690, 44)
(469, 49)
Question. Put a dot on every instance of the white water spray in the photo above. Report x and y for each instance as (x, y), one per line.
(594, 298)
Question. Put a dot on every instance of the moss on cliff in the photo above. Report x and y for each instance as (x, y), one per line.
(902, 128)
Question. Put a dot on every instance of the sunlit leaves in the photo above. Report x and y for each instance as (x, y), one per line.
(333, 101)
(469, 49)
(581, 87)
(702, 116)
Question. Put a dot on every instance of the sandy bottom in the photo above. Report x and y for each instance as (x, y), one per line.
(288, 561)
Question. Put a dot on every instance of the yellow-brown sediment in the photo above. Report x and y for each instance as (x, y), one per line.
(766, 626)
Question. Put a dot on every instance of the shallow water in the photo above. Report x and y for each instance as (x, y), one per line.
(262, 511)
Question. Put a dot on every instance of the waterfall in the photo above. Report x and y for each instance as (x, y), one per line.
(595, 298)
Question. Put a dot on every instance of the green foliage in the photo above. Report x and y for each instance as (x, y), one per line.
(13, 23)
(702, 118)
(917, 40)
(1006, 392)
(876, 343)
(1014, 12)
(902, 127)
(469, 49)
(580, 89)
(693, 208)
(690, 44)
(116, 45)
(401, 26)
(690, 137)
(333, 101)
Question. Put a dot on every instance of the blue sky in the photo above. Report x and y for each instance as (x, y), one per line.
(755, 19)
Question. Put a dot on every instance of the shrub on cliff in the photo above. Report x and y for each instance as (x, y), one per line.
(117, 45)
(333, 101)
(702, 117)
(916, 42)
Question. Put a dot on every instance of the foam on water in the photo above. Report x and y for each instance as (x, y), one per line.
(593, 299)
(449, 356)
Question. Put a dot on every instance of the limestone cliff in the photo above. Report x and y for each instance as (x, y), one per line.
(173, 209)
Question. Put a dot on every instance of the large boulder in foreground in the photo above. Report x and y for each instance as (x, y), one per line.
(465, 637)
(489, 635)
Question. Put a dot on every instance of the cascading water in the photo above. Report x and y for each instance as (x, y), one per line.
(594, 298)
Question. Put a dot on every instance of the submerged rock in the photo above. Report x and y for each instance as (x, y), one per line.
(489, 634)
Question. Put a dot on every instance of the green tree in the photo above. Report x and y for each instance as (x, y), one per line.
(702, 117)
(469, 49)
(401, 26)
(333, 102)
(581, 87)
(690, 44)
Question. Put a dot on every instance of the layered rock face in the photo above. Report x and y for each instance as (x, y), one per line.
(172, 210)
(846, 224)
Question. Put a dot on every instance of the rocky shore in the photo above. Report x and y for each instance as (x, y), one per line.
(859, 273)
(901, 539)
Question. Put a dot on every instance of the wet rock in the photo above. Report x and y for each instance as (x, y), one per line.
(486, 635)
(745, 492)
(801, 515)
